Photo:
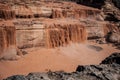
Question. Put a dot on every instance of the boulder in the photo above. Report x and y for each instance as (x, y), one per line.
(114, 58)
(115, 38)
(16, 77)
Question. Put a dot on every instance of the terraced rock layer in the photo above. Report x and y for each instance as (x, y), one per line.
(6, 12)
(7, 40)
(7, 33)
(61, 35)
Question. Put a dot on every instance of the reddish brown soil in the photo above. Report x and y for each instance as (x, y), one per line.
(63, 58)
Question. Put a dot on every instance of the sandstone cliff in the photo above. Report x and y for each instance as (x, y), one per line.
(61, 35)
(7, 33)
(6, 12)
(7, 40)
(70, 22)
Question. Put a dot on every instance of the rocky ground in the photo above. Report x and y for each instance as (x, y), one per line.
(109, 69)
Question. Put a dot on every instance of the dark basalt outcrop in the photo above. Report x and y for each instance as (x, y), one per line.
(109, 69)
(114, 58)
(93, 3)
(117, 3)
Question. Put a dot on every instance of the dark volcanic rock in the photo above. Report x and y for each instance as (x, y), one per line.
(101, 72)
(93, 3)
(114, 58)
(37, 76)
(117, 3)
(17, 77)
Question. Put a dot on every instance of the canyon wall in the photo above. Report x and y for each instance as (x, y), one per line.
(40, 34)
(52, 11)
(29, 34)
(31, 11)
(7, 33)
(7, 40)
(54, 35)
(95, 29)
(33, 28)
(110, 27)
(22, 11)
(75, 13)
(6, 12)
(61, 35)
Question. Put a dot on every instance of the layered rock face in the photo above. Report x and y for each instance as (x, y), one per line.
(7, 38)
(70, 22)
(48, 33)
(109, 69)
(111, 11)
(7, 33)
(65, 34)
(6, 12)
(76, 12)
(50, 10)
(57, 33)
(22, 11)
(29, 34)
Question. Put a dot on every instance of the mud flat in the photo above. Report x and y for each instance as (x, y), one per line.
(63, 58)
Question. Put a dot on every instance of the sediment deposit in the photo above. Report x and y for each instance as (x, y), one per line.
(107, 70)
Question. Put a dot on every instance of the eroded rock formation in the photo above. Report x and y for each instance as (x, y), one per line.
(22, 11)
(57, 23)
(64, 34)
(7, 40)
(29, 34)
(60, 35)
(7, 33)
(6, 12)
(75, 13)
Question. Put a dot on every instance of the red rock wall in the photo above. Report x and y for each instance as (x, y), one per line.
(111, 28)
(81, 13)
(6, 12)
(61, 35)
(7, 39)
